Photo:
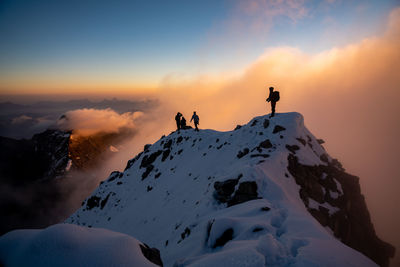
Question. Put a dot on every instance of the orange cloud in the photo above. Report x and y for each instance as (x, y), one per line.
(339, 75)
(91, 121)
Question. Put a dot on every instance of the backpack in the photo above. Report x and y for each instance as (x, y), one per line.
(275, 96)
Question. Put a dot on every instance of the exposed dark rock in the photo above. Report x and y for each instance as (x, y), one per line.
(185, 233)
(146, 147)
(247, 191)
(157, 175)
(254, 123)
(114, 175)
(180, 138)
(132, 161)
(180, 151)
(266, 123)
(259, 149)
(104, 201)
(320, 141)
(152, 254)
(243, 153)
(224, 190)
(259, 155)
(224, 238)
(278, 129)
(148, 160)
(337, 164)
(324, 158)
(301, 140)
(92, 202)
(265, 208)
(352, 223)
(265, 144)
(149, 188)
(257, 229)
(292, 148)
(237, 127)
(165, 154)
(168, 144)
(147, 172)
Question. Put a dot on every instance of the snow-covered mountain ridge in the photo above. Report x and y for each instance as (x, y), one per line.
(266, 193)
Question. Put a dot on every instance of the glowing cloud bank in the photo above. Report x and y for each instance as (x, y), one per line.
(91, 121)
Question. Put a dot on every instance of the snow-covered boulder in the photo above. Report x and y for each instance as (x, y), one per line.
(72, 245)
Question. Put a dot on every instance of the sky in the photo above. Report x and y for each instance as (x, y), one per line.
(334, 61)
(90, 46)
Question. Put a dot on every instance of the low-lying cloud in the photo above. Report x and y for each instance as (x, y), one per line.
(92, 121)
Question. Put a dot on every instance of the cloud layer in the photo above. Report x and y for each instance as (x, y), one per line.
(91, 121)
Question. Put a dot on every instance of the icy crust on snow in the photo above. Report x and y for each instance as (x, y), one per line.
(213, 198)
(70, 245)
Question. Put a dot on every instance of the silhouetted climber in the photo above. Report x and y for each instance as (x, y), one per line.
(183, 123)
(178, 120)
(196, 120)
(273, 98)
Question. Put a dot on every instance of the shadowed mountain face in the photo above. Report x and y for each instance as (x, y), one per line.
(265, 193)
(45, 156)
(39, 175)
(351, 223)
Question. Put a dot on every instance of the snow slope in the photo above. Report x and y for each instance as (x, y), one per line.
(213, 198)
(70, 245)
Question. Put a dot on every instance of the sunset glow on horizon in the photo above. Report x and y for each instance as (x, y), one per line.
(89, 46)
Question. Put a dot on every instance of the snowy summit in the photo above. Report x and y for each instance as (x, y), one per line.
(264, 194)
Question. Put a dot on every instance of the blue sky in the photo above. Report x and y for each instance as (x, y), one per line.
(140, 42)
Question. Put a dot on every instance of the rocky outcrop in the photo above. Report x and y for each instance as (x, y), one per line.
(152, 254)
(32, 175)
(225, 191)
(334, 198)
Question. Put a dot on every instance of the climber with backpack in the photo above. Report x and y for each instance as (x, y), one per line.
(196, 120)
(273, 98)
(178, 120)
